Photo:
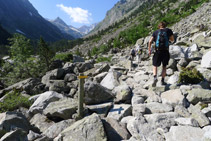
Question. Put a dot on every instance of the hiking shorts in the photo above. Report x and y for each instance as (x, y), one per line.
(161, 56)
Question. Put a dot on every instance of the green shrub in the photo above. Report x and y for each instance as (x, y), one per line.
(104, 59)
(66, 57)
(13, 101)
(190, 76)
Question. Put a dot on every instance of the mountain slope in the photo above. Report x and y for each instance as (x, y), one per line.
(4, 35)
(20, 16)
(121, 9)
(65, 28)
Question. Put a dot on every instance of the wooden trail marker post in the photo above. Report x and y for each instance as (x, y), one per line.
(81, 95)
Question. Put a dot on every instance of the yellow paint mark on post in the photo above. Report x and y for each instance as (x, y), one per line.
(82, 77)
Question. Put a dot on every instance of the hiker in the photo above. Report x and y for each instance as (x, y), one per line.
(162, 36)
(132, 54)
(138, 53)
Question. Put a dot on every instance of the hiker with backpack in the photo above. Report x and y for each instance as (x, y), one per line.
(162, 36)
(132, 54)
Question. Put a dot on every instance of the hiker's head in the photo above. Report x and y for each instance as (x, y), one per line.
(162, 25)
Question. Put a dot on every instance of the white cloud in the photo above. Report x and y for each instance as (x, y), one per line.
(76, 14)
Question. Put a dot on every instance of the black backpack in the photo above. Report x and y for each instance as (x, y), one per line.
(162, 41)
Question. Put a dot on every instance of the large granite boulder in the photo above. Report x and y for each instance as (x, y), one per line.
(54, 130)
(101, 109)
(173, 97)
(43, 100)
(41, 122)
(62, 109)
(122, 93)
(184, 133)
(96, 94)
(18, 134)
(196, 95)
(31, 86)
(13, 120)
(89, 128)
(111, 80)
(206, 60)
(162, 120)
(176, 52)
(115, 130)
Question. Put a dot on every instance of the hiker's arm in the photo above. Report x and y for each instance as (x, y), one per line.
(171, 38)
(150, 44)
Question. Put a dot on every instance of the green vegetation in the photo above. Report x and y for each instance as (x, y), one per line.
(24, 62)
(190, 76)
(104, 59)
(65, 57)
(13, 101)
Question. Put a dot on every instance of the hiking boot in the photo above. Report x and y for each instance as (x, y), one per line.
(163, 83)
(154, 82)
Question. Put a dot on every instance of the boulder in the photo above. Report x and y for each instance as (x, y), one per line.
(43, 100)
(70, 77)
(61, 109)
(104, 68)
(174, 78)
(111, 80)
(196, 95)
(184, 133)
(13, 120)
(187, 122)
(206, 60)
(123, 93)
(53, 75)
(207, 111)
(14, 135)
(98, 78)
(173, 97)
(207, 135)
(82, 67)
(100, 109)
(155, 107)
(176, 52)
(198, 116)
(31, 86)
(162, 120)
(137, 99)
(41, 122)
(140, 130)
(54, 130)
(59, 86)
(33, 136)
(193, 52)
(77, 59)
(115, 130)
(147, 94)
(119, 111)
(89, 128)
(138, 110)
(96, 94)
(182, 111)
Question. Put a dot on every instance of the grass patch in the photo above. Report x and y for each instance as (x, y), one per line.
(66, 57)
(104, 59)
(13, 101)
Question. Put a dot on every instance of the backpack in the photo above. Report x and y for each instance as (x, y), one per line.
(162, 41)
(133, 52)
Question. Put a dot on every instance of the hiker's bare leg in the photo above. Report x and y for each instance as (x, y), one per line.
(164, 72)
(155, 69)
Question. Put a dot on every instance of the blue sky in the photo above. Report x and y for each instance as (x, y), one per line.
(74, 12)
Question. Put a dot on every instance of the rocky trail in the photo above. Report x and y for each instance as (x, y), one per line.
(120, 102)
